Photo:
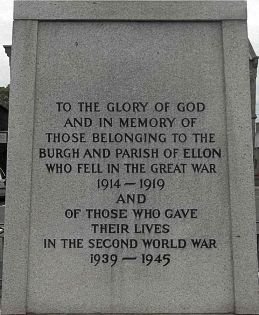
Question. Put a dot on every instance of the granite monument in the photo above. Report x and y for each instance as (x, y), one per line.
(130, 178)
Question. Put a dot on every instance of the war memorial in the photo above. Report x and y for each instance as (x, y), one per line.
(130, 176)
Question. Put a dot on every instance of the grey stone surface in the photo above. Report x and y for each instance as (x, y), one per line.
(131, 10)
(130, 61)
(118, 62)
(238, 111)
(21, 113)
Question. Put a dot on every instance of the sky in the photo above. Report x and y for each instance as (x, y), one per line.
(6, 18)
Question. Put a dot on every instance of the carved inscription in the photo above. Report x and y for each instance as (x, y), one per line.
(131, 150)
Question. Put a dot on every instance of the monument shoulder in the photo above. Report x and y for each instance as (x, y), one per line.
(131, 10)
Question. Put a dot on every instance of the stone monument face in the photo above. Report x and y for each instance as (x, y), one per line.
(130, 165)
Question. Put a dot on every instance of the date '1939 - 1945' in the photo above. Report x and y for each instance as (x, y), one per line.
(146, 259)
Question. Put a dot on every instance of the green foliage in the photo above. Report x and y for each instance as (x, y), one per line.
(4, 96)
